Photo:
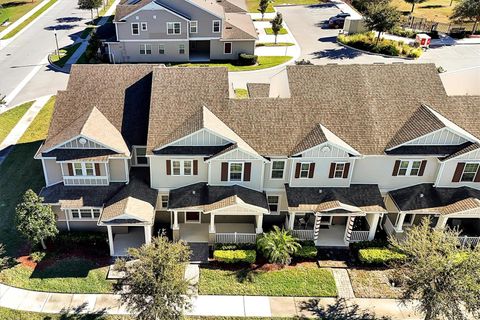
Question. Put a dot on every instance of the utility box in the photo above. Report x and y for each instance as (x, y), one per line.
(422, 40)
(353, 25)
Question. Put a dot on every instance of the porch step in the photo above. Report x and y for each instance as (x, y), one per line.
(199, 252)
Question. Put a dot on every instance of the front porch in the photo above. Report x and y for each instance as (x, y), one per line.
(134, 237)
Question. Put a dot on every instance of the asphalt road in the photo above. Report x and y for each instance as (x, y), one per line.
(29, 50)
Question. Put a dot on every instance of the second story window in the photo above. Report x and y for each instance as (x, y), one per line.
(144, 26)
(235, 171)
(164, 201)
(84, 169)
(85, 213)
(278, 167)
(135, 28)
(339, 169)
(304, 170)
(182, 167)
(216, 26)
(469, 172)
(193, 26)
(173, 28)
(273, 203)
(409, 168)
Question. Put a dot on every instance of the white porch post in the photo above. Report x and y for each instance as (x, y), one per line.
(259, 222)
(175, 220)
(212, 224)
(291, 220)
(400, 219)
(442, 222)
(348, 229)
(110, 239)
(148, 234)
(373, 227)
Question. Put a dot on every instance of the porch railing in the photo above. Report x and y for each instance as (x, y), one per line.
(388, 226)
(303, 234)
(235, 237)
(469, 241)
(85, 181)
(359, 236)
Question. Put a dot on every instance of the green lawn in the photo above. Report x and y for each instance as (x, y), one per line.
(72, 275)
(304, 280)
(253, 4)
(14, 10)
(434, 10)
(39, 127)
(65, 54)
(10, 118)
(241, 93)
(263, 63)
(30, 19)
(273, 44)
(269, 31)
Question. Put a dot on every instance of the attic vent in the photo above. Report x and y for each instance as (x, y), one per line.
(82, 140)
(326, 149)
(228, 28)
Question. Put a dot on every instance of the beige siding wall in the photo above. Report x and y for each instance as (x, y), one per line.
(321, 173)
(160, 179)
(279, 184)
(255, 182)
(238, 47)
(447, 172)
(53, 171)
(116, 167)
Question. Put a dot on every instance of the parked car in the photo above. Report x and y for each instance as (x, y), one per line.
(338, 20)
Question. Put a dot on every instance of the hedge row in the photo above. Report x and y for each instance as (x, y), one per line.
(379, 256)
(235, 256)
(306, 252)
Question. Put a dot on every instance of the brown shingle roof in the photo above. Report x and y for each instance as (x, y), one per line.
(123, 9)
(210, 5)
(258, 90)
(239, 6)
(239, 26)
(471, 147)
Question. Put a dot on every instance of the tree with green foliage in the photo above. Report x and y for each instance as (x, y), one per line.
(278, 246)
(381, 17)
(413, 3)
(154, 286)
(90, 5)
(3, 258)
(277, 24)
(35, 220)
(263, 6)
(467, 10)
(441, 275)
(91, 53)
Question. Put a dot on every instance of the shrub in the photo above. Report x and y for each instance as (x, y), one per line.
(406, 33)
(37, 256)
(306, 252)
(234, 246)
(278, 246)
(245, 59)
(235, 256)
(303, 62)
(379, 256)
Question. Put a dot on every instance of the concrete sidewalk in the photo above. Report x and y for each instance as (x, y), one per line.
(238, 306)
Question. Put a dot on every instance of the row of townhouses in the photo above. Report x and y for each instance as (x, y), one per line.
(181, 30)
(333, 153)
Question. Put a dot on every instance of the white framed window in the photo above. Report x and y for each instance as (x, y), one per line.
(227, 48)
(143, 26)
(409, 167)
(182, 167)
(173, 28)
(181, 49)
(161, 49)
(273, 203)
(164, 200)
(193, 217)
(339, 170)
(469, 172)
(216, 26)
(304, 169)
(193, 26)
(139, 156)
(85, 213)
(235, 171)
(278, 169)
(135, 28)
(145, 49)
(83, 169)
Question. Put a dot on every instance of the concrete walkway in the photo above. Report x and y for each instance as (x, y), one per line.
(22, 125)
(342, 281)
(238, 306)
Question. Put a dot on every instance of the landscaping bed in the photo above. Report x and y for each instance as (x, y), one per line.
(262, 63)
(273, 44)
(64, 55)
(373, 283)
(303, 279)
(10, 118)
(269, 31)
(253, 4)
(367, 42)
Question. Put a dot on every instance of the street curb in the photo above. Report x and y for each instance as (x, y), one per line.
(375, 54)
(54, 66)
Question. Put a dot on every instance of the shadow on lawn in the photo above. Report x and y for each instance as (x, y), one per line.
(78, 313)
(341, 310)
(14, 4)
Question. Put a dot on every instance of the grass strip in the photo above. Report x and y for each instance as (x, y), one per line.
(10, 118)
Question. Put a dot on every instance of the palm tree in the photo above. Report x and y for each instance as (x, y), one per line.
(278, 246)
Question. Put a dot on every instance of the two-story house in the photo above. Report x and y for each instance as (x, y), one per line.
(181, 30)
(329, 152)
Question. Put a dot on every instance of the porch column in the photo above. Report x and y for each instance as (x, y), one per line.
(110, 239)
(291, 220)
(175, 220)
(400, 219)
(373, 227)
(348, 229)
(442, 222)
(148, 234)
(259, 223)
(212, 224)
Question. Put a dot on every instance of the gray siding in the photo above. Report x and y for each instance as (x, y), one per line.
(53, 172)
(130, 52)
(116, 168)
(217, 49)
